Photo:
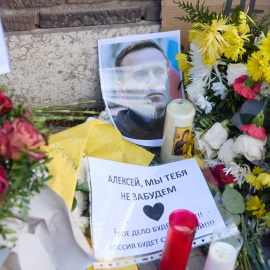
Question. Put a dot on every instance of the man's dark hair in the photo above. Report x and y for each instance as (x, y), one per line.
(136, 46)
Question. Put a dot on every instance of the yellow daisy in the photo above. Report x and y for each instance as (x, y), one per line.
(257, 170)
(255, 206)
(264, 178)
(267, 75)
(265, 46)
(257, 66)
(253, 180)
(210, 41)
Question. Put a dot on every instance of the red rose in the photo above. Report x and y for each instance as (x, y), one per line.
(5, 150)
(3, 180)
(21, 133)
(5, 102)
(222, 177)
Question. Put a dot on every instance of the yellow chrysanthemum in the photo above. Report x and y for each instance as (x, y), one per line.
(255, 206)
(236, 43)
(210, 41)
(193, 33)
(257, 66)
(265, 46)
(257, 170)
(264, 178)
(243, 26)
(253, 180)
(186, 78)
(183, 64)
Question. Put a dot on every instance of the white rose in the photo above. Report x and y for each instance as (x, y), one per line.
(235, 71)
(216, 135)
(202, 145)
(251, 148)
(195, 87)
(226, 152)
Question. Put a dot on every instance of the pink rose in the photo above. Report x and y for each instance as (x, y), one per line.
(5, 102)
(5, 150)
(3, 180)
(21, 133)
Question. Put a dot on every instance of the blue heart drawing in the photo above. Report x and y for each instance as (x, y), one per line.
(154, 212)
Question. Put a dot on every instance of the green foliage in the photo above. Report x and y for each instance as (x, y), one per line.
(26, 176)
(233, 201)
(83, 187)
(198, 13)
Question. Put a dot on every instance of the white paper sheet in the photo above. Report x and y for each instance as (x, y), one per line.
(4, 59)
(131, 205)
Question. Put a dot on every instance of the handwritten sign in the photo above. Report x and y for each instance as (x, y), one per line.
(4, 59)
(131, 205)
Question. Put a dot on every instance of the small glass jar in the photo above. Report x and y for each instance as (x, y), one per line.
(180, 235)
(177, 130)
(225, 245)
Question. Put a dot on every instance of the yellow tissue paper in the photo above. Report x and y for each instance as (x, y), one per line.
(95, 139)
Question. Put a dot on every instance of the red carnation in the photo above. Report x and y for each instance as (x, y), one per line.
(5, 103)
(255, 132)
(243, 90)
(3, 180)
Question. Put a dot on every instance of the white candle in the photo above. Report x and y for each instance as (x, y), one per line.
(177, 130)
(221, 256)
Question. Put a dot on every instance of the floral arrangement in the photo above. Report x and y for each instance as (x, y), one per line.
(227, 78)
(23, 170)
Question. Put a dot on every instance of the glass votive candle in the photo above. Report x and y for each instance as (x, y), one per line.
(225, 245)
(177, 130)
(180, 235)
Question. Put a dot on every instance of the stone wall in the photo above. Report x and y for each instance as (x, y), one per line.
(53, 45)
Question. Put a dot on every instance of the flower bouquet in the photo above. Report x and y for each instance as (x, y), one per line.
(23, 171)
(227, 78)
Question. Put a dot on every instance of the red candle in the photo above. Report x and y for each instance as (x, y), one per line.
(182, 228)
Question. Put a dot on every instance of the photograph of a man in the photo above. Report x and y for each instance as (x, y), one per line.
(143, 86)
(139, 89)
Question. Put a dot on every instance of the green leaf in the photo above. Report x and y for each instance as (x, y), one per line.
(265, 198)
(13, 239)
(226, 215)
(233, 201)
(249, 82)
(246, 118)
(83, 187)
(74, 204)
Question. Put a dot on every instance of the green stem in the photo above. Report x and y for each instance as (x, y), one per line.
(66, 111)
(68, 118)
(62, 105)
